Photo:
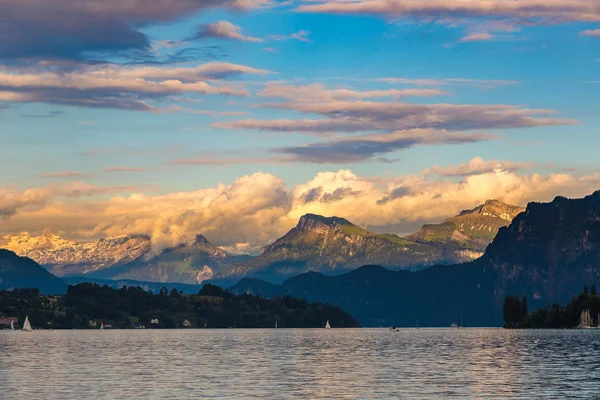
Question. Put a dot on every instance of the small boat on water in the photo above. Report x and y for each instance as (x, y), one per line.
(102, 325)
(327, 326)
(453, 325)
(26, 325)
(275, 324)
(12, 325)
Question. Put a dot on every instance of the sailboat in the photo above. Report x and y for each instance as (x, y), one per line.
(27, 325)
(102, 325)
(453, 325)
(12, 325)
(275, 324)
(327, 326)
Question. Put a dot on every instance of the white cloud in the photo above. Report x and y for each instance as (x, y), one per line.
(477, 166)
(477, 37)
(226, 30)
(301, 36)
(591, 32)
(317, 92)
(521, 11)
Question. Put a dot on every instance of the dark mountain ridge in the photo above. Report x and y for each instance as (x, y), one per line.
(20, 272)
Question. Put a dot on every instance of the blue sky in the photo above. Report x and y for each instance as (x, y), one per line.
(106, 102)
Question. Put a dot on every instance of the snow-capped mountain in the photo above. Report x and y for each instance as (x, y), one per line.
(67, 257)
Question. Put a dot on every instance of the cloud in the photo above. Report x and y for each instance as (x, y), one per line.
(120, 168)
(368, 147)
(60, 29)
(212, 160)
(477, 166)
(258, 208)
(65, 174)
(362, 116)
(129, 88)
(478, 83)
(225, 30)
(301, 36)
(522, 11)
(12, 201)
(476, 37)
(591, 32)
(317, 92)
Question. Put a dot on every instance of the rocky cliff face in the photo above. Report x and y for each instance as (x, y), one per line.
(548, 252)
(467, 235)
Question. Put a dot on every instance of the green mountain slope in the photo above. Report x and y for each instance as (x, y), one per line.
(335, 245)
(470, 232)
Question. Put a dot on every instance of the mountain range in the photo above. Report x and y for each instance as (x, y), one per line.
(329, 245)
(547, 253)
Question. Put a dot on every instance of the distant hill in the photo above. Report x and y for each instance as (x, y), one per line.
(547, 253)
(377, 296)
(21, 272)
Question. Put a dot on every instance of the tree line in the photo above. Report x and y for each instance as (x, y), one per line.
(553, 316)
(90, 305)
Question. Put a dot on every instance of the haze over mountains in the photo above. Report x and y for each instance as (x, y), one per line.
(328, 245)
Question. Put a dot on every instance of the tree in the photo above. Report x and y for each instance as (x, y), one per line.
(593, 290)
(523, 308)
(512, 310)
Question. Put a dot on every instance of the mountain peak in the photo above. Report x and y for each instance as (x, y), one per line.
(309, 221)
(494, 208)
(201, 239)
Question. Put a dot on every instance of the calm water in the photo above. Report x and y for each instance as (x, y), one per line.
(314, 364)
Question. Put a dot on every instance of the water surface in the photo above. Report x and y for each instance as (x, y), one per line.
(314, 364)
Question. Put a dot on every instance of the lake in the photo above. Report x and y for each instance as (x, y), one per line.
(300, 363)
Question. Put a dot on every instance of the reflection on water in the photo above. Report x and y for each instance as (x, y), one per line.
(315, 364)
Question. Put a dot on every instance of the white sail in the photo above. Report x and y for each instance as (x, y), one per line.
(327, 326)
(102, 326)
(27, 325)
(12, 325)
(275, 324)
